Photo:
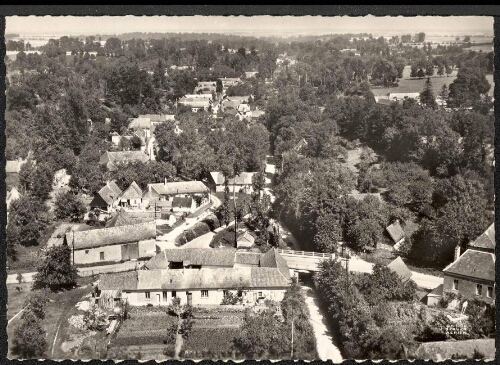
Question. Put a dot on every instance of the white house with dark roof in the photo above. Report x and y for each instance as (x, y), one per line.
(130, 242)
(111, 159)
(240, 183)
(396, 233)
(166, 191)
(202, 279)
(107, 198)
(131, 196)
(472, 274)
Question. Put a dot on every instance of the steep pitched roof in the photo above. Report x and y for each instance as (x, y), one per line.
(132, 192)
(12, 195)
(108, 193)
(112, 236)
(179, 187)
(474, 264)
(272, 259)
(485, 240)
(396, 231)
(182, 202)
(118, 281)
(398, 266)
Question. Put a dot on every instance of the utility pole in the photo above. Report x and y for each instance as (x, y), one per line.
(346, 274)
(291, 352)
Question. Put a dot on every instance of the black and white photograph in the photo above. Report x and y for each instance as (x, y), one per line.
(250, 187)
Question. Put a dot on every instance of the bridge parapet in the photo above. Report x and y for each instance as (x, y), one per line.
(306, 253)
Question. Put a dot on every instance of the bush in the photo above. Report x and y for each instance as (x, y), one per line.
(231, 299)
(212, 221)
(199, 229)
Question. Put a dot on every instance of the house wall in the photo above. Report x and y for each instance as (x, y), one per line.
(467, 287)
(91, 255)
(239, 188)
(147, 248)
(215, 296)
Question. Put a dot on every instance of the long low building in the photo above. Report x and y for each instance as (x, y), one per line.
(199, 277)
(114, 244)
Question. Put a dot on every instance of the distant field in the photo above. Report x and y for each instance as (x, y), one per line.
(408, 85)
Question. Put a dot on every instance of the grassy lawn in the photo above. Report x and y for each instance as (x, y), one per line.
(57, 312)
(28, 259)
(16, 298)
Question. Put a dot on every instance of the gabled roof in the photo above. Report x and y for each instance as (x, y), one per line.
(195, 256)
(272, 259)
(245, 178)
(108, 193)
(111, 236)
(13, 195)
(486, 240)
(157, 118)
(179, 187)
(396, 232)
(474, 264)
(182, 202)
(132, 192)
(122, 218)
(399, 267)
(247, 237)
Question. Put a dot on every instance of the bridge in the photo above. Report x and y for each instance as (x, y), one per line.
(304, 261)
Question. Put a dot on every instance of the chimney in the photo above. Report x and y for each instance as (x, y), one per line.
(457, 252)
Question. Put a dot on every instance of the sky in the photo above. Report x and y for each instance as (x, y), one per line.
(256, 25)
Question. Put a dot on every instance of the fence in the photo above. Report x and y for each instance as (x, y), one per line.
(306, 253)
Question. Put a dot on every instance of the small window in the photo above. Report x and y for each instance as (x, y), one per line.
(479, 289)
(86, 252)
(174, 294)
(225, 293)
(489, 292)
(204, 293)
(101, 255)
(148, 295)
(455, 284)
(165, 294)
(260, 295)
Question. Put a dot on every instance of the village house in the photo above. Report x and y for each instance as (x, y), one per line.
(250, 74)
(111, 159)
(106, 198)
(131, 196)
(229, 81)
(183, 204)
(240, 183)
(149, 122)
(203, 279)
(166, 191)
(472, 274)
(396, 233)
(12, 196)
(398, 267)
(197, 102)
(130, 242)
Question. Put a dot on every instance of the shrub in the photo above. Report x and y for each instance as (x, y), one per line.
(197, 230)
(231, 299)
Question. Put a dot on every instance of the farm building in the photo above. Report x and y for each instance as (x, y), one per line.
(129, 242)
(199, 286)
(106, 198)
(166, 190)
(131, 196)
(240, 183)
(472, 274)
(396, 233)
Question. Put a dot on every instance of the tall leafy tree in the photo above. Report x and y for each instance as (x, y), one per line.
(29, 338)
(57, 270)
(69, 205)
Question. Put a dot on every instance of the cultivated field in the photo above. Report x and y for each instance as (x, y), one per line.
(414, 85)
